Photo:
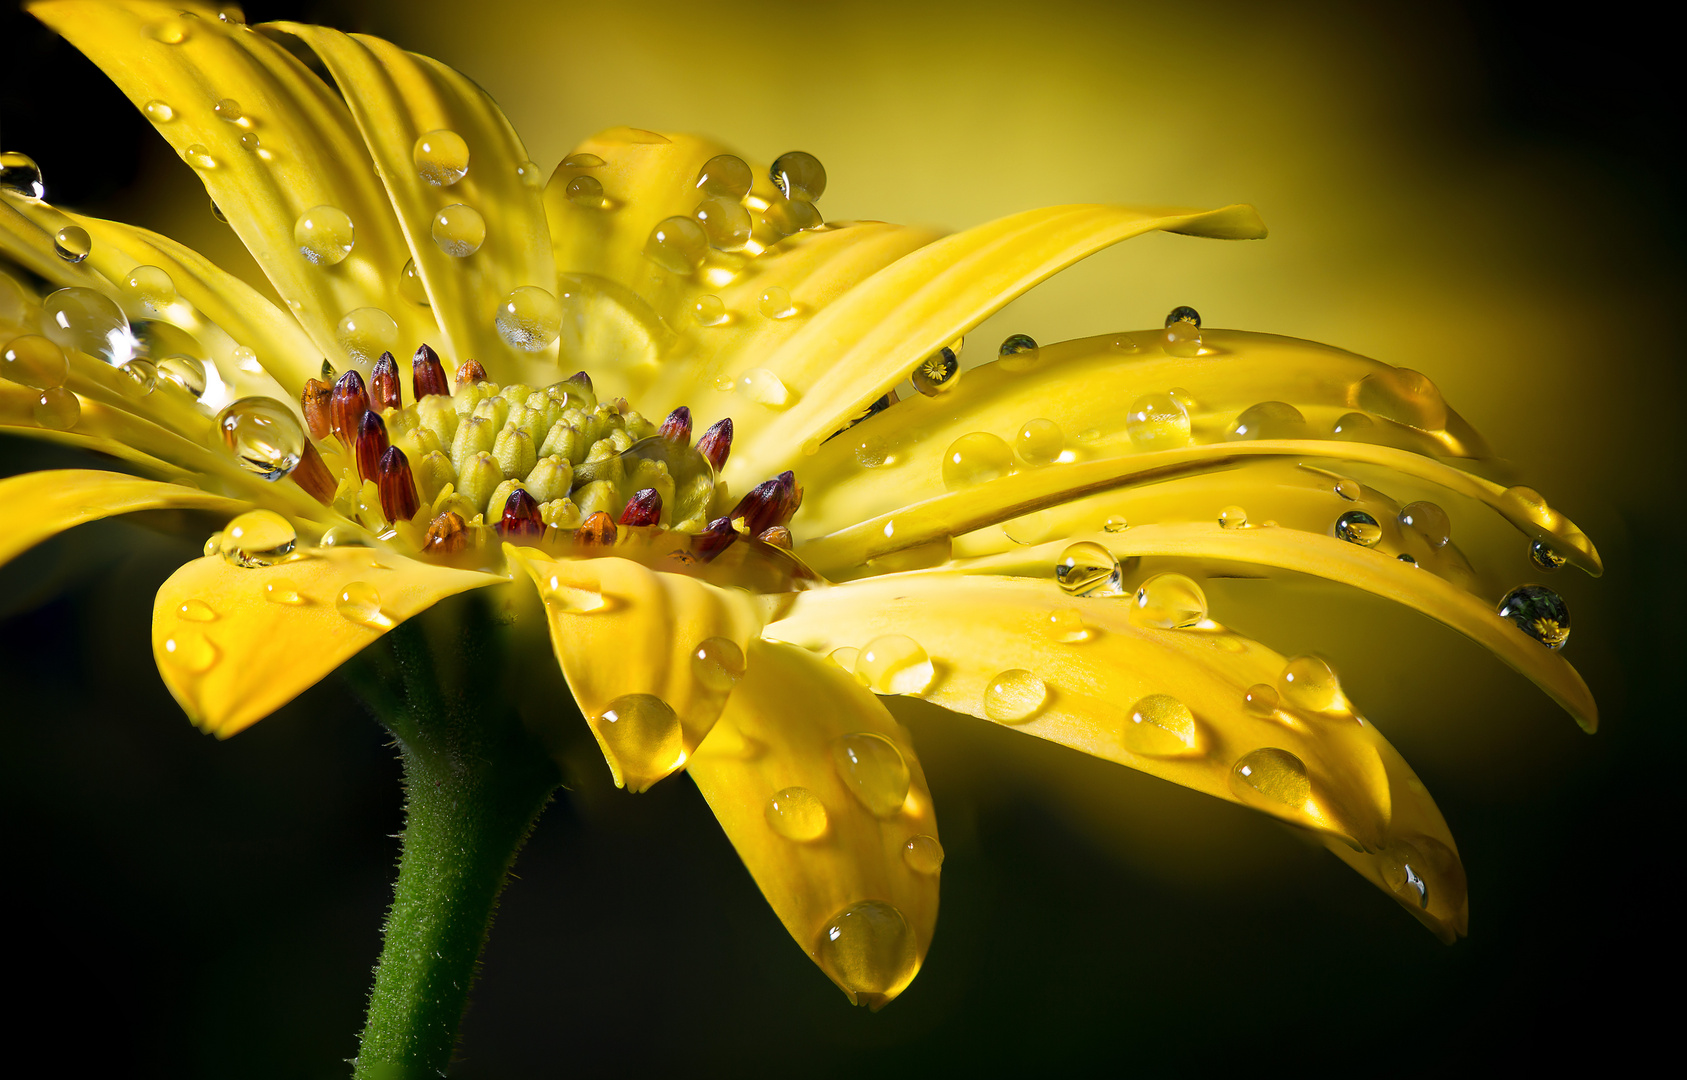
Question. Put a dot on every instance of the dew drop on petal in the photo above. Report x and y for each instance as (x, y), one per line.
(263, 435)
(72, 243)
(937, 374)
(1428, 521)
(199, 156)
(975, 458)
(895, 664)
(529, 319)
(1261, 699)
(776, 303)
(1544, 557)
(1308, 682)
(150, 287)
(1348, 489)
(249, 141)
(1358, 527)
(283, 591)
(34, 361)
(923, 854)
(529, 173)
(586, 191)
(366, 333)
(1538, 612)
(1088, 569)
(1018, 352)
(19, 175)
(1041, 442)
(360, 603)
(185, 373)
(718, 664)
(1066, 626)
(325, 235)
(459, 230)
(1355, 427)
(143, 376)
(195, 610)
(1015, 696)
(441, 157)
(582, 161)
(764, 387)
(1159, 725)
(868, 949)
(796, 813)
(1402, 869)
(677, 244)
(1170, 601)
(1157, 422)
(229, 110)
(1404, 396)
(411, 286)
(725, 175)
(90, 322)
(798, 175)
(1232, 517)
(873, 770)
(1269, 420)
(189, 650)
(643, 734)
(1271, 778)
(1115, 523)
(158, 111)
(57, 409)
(709, 310)
(170, 31)
(257, 538)
(725, 222)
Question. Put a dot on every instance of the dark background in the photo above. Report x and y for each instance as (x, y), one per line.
(185, 907)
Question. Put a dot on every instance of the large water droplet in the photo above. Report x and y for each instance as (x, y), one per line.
(1041, 442)
(895, 664)
(57, 409)
(798, 175)
(776, 303)
(34, 361)
(258, 538)
(1358, 527)
(150, 287)
(1157, 422)
(441, 157)
(975, 458)
(1181, 338)
(1428, 521)
(1170, 601)
(725, 175)
(677, 244)
(796, 813)
(1308, 682)
(459, 230)
(1088, 569)
(1159, 726)
(1269, 420)
(1538, 612)
(874, 771)
(530, 319)
(1270, 778)
(360, 603)
(1015, 696)
(263, 435)
(868, 949)
(19, 175)
(88, 321)
(725, 222)
(185, 373)
(643, 734)
(923, 854)
(72, 243)
(366, 333)
(718, 663)
(325, 235)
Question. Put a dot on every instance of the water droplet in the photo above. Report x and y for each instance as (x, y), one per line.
(1308, 682)
(159, 112)
(170, 31)
(1261, 699)
(1269, 420)
(1348, 489)
(1015, 696)
(1182, 339)
(798, 175)
(895, 664)
(1018, 352)
(582, 161)
(1355, 427)
(411, 286)
(923, 854)
(725, 175)
(709, 310)
(249, 141)
(643, 735)
(1183, 314)
(228, 109)
(1402, 870)
(1041, 442)
(530, 319)
(360, 603)
(873, 769)
(1159, 726)
(325, 235)
(88, 321)
(459, 230)
(1538, 612)
(776, 303)
(441, 157)
(937, 373)
(199, 156)
(19, 175)
(257, 538)
(868, 949)
(1405, 558)
(529, 173)
(725, 222)
(1115, 524)
(217, 212)
(764, 387)
(196, 611)
(283, 591)
(718, 664)
(189, 650)
(796, 813)
(1404, 396)
(34, 361)
(1544, 557)
(1067, 626)
(150, 287)
(1270, 777)
(1428, 521)
(677, 244)
(586, 191)
(1088, 569)
(1170, 601)
(1358, 527)
(1157, 422)
(72, 243)
(367, 333)
(185, 373)
(1232, 517)
(57, 409)
(143, 376)
(263, 435)
(975, 458)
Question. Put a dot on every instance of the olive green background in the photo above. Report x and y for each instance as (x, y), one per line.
(1448, 189)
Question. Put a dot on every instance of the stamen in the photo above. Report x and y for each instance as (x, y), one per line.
(677, 427)
(372, 442)
(349, 403)
(716, 443)
(469, 372)
(311, 473)
(397, 488)
(715, 539)
(793, 496)
(779, 536)
(760, 509)
(597, 531)
(317, 405)
(582, 380)
(447, 535)
(427, 374)
(644, 508)
(521, 517)
(383, 383)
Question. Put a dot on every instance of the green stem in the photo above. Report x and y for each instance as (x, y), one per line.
(475, 782)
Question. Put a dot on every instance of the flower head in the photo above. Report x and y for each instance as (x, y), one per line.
(867, 512)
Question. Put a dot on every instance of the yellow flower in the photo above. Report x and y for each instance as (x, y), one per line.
(1020, 540)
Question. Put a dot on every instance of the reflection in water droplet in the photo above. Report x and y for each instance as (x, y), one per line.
(258, 538)
(1358, 527)
(1183, 313)
(1271, 777)
(1261, 699)
(868, 949)
(975, 458)
(718, 663)
(874, 771)
(923, 854)
(582, 161)
(185, 373)
(441, 157)
(325, 235)
(1066, 625)
(895, 664)
(643, 735)
(798, 175)
(190, 650)
(360, 603)
(72, 243)
(88, 321)
(283, 591)
(1544, 557)
(1170, 601)
(937, 374)
(263, 435)
(1041, 442)
(529, 319)
(1538, 612)
(1428, 521)
(1018, 352)
(1308, 682)
(459, 230)
(1232, 517)
(1157, 422)
(1401, 866)
(196, 611)
(796, 814)
(1088, 569)
(1015, 696)
(1158, 726)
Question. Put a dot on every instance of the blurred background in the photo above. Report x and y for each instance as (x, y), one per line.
(1449, 188)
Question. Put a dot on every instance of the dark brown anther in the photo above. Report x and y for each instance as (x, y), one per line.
(397, 486)
(716, 443)
(427, 374)
(793, 496)
(715, 539)
(383, 384)
(447, 535)
(597, 531)
(644, 508)
(348, 405)
(470, 371)
(677, 427)
(317, 403)
(521, 517)
(311, 473)
(759, 510)
(779, 536)
(371, 444)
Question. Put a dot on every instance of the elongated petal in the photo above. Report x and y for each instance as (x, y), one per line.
(309, 153)
(628, 639)
(397, 97)
(38, 505)
(782, 731)
(1081, 673)
(853, 351)
(236, 643)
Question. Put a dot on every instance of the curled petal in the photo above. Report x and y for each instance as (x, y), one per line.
(43, 504)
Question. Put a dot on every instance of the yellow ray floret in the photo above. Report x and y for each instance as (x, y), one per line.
(39, 505)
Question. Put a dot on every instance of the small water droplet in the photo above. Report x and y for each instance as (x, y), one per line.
(938, 373)
(1018, 352)
(89, 322)
(923, 854)
(643, 735)
(529, 319)
(1115, 524)
(1157, 422)
(1261, 699)
(366, 333)
(677, 244)
(1015, 696)
(150, 287)
(325, 235)
(1308, 682)
(170, 31)
(709, 310)
(1159, 725)
(19, 175)
(1405, 558)
(586, 191)
(441, 157)
(228, 109)
(1181, 339)
(764, 387)
(530, 174)
(1269, 420)
(1348, 489)
(159, 112)
(190, 650)
(975, 458)
(72, 243)
(257, 538)
(776, 303)
(1170, 601)
(34, 361)
(868, 949)
(411, 286)
(263, 435)
(718, 664)
(895, 664)
(459, 230)
(796, 813)
(1355, 427)
(725, 222)
(582, 161)
(1428, 521)
(57, 409)
(1067, 626)
(250, 142)
(283, 591)
(1544, 557)
(217, 212)
(196, 611)
(1538, 612)
(1232, 517)
(1041, 442)
(199, 156)
(185, 373)
(798, 175)
(143, 376)
(873, 770)
(1088, 569)
(360, 603)
(1402, 870)
(1358, 527)
(1269, 777)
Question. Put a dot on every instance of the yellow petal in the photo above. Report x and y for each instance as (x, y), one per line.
(782, 731)
(309, 153)
(38, 505)
(851, 352)
(235, 643)
(398, 97)
(628, 639)
(27, 245)
(1082, 673)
